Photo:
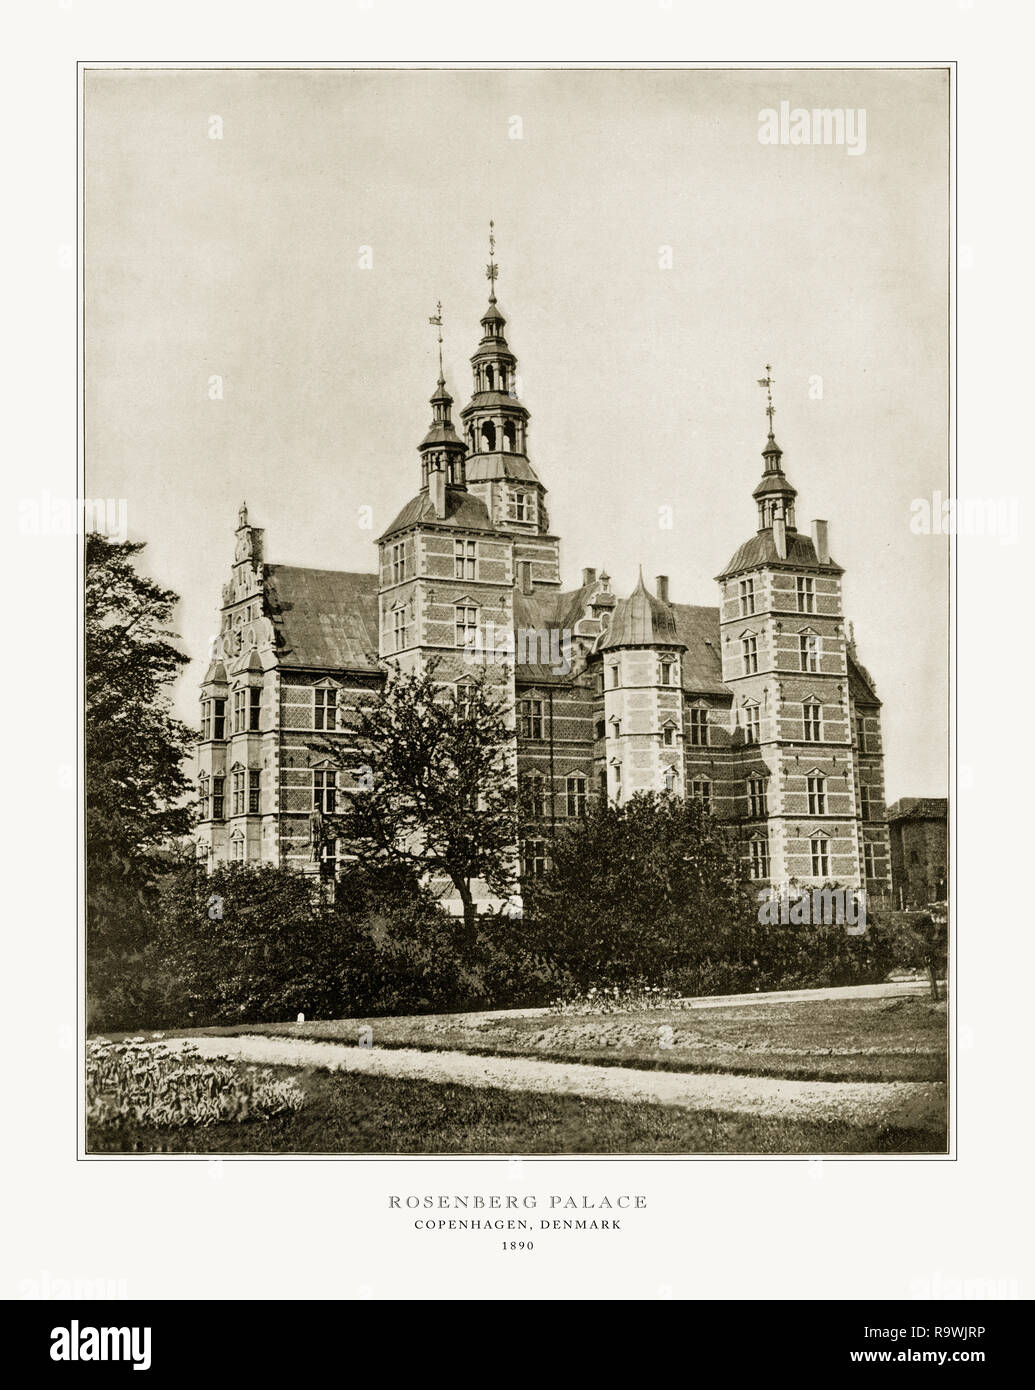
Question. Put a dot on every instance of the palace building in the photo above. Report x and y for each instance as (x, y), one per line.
(758, 706)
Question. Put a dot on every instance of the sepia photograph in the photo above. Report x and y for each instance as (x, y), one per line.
(516, 610)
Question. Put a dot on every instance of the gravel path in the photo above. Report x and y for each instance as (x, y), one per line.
(903, 1104)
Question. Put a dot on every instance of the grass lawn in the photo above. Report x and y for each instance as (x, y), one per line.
(354, 1114)
(897, 1039)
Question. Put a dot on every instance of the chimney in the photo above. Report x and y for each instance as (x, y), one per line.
(780, 536)
(437, 491)
(661, 584)
(821, 542)
(588, 577)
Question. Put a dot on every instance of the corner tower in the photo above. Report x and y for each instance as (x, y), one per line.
(785, 660)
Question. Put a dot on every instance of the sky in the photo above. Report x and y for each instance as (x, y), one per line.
(654, 255)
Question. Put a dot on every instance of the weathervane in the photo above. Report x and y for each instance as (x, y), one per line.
(492, 270)
(767, 382)
(436, 322)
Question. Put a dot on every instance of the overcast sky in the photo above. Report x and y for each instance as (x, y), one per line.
(241, 257)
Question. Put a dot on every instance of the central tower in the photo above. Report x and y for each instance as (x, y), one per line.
(495, 429)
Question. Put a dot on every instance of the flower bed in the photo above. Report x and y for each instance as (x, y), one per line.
(148, 1083)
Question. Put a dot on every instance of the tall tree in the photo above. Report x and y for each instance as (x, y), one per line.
(651, 889)
(430, 783)
(136, 783)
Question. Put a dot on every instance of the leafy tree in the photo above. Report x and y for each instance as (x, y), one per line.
(135, 749)
(432, 771)
(919, 941)
(651, 889)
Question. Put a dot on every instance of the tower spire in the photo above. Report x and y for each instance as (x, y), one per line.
(436, 322)
(767, 382)
(492, 270)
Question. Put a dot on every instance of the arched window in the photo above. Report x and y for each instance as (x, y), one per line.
(509, 437)
(488, 436)
(490, 379)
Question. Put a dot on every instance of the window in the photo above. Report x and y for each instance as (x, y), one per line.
(464, 699)
(749, 651)
(613, 671)
(325, 708)
(870, 859)
(806, 594)
(865, 802)
(668, 735)
(759, 847)
(618, 777)
(237, 785)
(668, 673)
(465, 559)
(218, 783)
(576, 789)
(203, 795)
(747, 597)
(400, 629)
(671, 777)
(237, 850)
(329, 859)
(254, 708)
(325, 786)
(530, 718)
(698, 726)
(206, 720)
(253, 793)
(219, 719)
(751, 724)
(820, 847)
(813, 714)
(240, 710)
(860, 733)
(533, 858)
(701, 790)
(808, 650)
(616, 728)
(398, 562)
(520, 509)
(466, 626)
(601, 729)
(757, 804)
(603, 783)
(817, 791)
(509, 433)
(534, 795)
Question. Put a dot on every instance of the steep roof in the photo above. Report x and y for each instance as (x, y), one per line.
(462, 509)
(641, 620)
(860, 683)
(324, 618)
(761, 550)
(919, 808)
(698, 630)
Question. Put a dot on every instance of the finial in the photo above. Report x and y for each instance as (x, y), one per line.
(767, 382)
(436, 322)
(242, 515)
(492, 270)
